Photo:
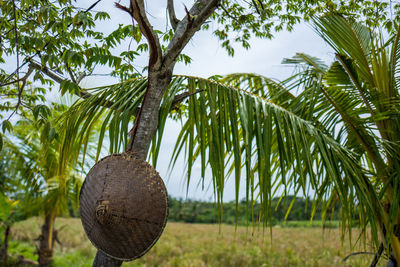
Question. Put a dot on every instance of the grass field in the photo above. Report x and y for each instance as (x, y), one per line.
(202, 245)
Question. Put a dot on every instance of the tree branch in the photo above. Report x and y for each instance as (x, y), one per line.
(20, 90)
(46, 71)
(33, 65)
(70, 72)
(124, 8)
(25, 78)
(255, 5)
(186, 28)
(58, 79)
(229, 15)
(80, 77)
(171, 12)
(138, 12)
(19, 80)
(181, 97)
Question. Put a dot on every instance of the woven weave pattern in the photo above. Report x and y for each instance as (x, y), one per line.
(124, 206)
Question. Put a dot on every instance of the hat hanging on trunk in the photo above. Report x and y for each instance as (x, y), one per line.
(123, 206)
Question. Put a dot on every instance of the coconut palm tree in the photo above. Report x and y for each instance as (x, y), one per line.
(34, 153)
(356, 100)
(12, 193)
(336, 138)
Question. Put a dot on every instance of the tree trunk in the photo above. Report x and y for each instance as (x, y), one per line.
(144, 130)
(102, 260)
(46, 241)
(4, 249)
(147, 120)
(159, 75)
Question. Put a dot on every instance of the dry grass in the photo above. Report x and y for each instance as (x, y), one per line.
(202, 245)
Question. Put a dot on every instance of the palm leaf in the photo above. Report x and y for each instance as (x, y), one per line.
(276, 148)
(348, 38)
(230, 129)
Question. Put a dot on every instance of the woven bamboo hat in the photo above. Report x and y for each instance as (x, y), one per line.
(124, 206)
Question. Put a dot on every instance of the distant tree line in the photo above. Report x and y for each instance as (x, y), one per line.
(195, 211)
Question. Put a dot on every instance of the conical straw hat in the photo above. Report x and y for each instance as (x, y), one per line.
(124, 206)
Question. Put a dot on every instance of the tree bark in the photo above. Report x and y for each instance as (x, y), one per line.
(46, 241)
(103, 260)
(147, 120)
(4, 249)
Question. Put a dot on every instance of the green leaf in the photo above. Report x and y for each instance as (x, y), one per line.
(69, 86)
(5, 208)
(101, 16)
(6, 126)
(52, 134)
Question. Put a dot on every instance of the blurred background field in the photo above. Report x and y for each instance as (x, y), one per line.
(296, 243)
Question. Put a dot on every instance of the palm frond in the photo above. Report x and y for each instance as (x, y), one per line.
(229, 130)
(113, 107)
(301, 58)
(395, 65)
(347, 38)
(276, 148)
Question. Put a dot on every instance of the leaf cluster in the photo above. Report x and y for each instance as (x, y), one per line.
(238, 21)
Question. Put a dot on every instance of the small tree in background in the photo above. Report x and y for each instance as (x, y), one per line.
(34, 153)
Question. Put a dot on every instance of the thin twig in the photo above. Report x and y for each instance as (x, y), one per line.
(255, 5)
(124, 8)
(57, 78)
(171, 12)
(227, 13)
(20, 87)
(92, 6)
(189, 18)
(17, 50)
(261, 4)
(358, 253)
(20, 90)
(179, 98)
(70, 72)
(80, 77)
(12, 82)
